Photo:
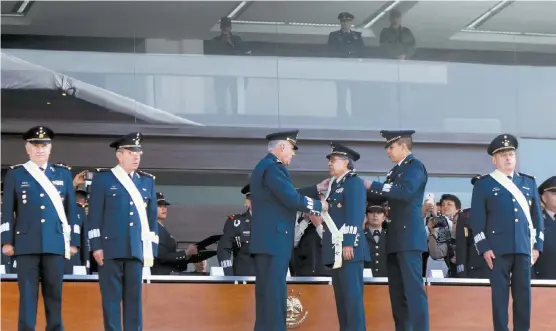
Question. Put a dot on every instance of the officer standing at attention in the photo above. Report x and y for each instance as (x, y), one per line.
(375, 232)
(39, 228)
(507, 225)
(407, 238)
(274, 203)
(346, 197)
(545, 268)
(123, 233)
(235, 241)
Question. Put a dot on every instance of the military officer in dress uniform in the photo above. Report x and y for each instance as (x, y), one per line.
(274, 204)
(507, 225)
(406, 239)
(346, 43)
(545, 268)
(39, 228)
(235, 241)
(376, 238)
(346, 197)
(123, 232)
(170, 259)
(468, 263)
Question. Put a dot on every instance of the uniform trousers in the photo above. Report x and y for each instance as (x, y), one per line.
(407, 291)
(519, 265)
(49, 270)
(270, 292)
(348, 291)
(121, 280)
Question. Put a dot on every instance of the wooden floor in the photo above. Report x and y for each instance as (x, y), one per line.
(227, 307)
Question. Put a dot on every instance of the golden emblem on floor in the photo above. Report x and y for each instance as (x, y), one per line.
(295, 314)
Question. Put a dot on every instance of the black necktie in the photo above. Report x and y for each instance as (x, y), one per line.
(42, 169)
(376, 236)
(510, 178)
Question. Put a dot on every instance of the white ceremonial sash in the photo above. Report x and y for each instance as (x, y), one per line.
(521, 200)
(146, 236)
(337, 235)
(54, 196)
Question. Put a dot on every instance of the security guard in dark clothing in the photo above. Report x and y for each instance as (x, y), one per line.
(545, 268)
(397, 41)
(82, 208)
(6, 261)
(468, 263)
(82, 256)
(346, 43)
(170, 259)
(227, 43)
(39, 228)
(508, 231)
(375, 233)
(406, 240)
(235, 241)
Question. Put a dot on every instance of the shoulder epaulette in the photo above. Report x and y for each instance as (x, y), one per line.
(63, 166)
(101, 169)
(144, 173)
(526, 175)
(234, 216)
(16, 166)
(408, 161)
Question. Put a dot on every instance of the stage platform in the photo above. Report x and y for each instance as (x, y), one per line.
(204, 303)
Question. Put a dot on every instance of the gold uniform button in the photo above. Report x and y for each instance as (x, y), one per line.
(43, 220)
(513, 200)
(515, 209)
(516, 220)
(42, 207)
(131, 203)
(41, 195)
(130, 213)
(376, 254)
(17, 232)
(131, 224)
(492, 231)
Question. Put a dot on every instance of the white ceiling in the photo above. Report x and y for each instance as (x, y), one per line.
(525, 16)
(309, 11)
(435, 23)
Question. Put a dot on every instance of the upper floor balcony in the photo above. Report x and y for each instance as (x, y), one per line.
(469, 68)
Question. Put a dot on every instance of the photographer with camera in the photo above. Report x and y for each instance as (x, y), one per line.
(442, 232)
